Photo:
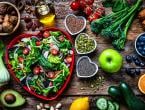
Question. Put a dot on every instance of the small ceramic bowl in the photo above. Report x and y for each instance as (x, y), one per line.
(140, 45)
(95, 43)
(77, 18)
(18, 15)
(93, 73)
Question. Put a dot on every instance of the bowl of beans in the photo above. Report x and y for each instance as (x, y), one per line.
(84, 44)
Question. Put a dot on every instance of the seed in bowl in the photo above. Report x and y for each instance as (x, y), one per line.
(84, 44)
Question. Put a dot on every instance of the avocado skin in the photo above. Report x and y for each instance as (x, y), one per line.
(19, 99)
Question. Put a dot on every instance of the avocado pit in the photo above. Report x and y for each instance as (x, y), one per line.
(10, 98)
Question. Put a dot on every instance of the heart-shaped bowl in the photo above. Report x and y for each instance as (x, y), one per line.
(75, 26)
(82, 44)
(24, 85)
(87, 70)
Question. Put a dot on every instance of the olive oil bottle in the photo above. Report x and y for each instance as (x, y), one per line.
(45, 12)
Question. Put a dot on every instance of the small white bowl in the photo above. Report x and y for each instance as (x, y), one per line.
(86, 57)
(89, 38)
(80, 17)
(136, 44)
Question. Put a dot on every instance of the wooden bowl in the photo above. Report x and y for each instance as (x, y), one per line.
(18, 15)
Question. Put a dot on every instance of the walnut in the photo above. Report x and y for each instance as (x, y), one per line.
(7, 27)
(13, 19)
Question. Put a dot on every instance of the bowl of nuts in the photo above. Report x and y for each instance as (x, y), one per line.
(9, 18)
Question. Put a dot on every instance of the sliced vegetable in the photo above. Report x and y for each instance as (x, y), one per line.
(110, 106)
(54, 51)
(102, 104)
(116, 106)
(26, 51)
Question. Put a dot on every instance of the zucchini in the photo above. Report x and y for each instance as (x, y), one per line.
(111, 106)
(131, 100)
(115, 93)
(101, 104)
(116, 106)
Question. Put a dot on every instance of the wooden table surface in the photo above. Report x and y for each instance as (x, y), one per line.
(77, 87)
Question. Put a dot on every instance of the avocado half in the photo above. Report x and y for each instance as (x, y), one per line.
(11, 98)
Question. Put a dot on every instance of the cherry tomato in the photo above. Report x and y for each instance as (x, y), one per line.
(61, 38)
(75, 5)
(38, 43)
(68, 59)
(89, 2)
(82, 4)
(51, 84)
(46, 34)
(36, 70)
(51, 44)
(54, 51)
(100, 10)
(88, 10)
(94, 16)
(21, 59)
(50, 75)
(26, 51)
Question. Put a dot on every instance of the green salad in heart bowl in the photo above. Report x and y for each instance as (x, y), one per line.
(42, 62)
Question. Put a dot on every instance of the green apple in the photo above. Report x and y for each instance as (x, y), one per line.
(110, 61)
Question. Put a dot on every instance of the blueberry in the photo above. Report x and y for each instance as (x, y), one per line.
(132, 74)
(137, 62)
(128, 70)
(138, 43)
(142, 64)
(142, 43)
(143, 53)
(137, 71)
(134, 57)
(143, 48)
(128, 59)
(142, 38)
(139, 48)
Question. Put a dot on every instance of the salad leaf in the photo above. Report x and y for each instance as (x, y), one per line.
(54, 59)
(55, 33)
(65, 44)
(44, 62)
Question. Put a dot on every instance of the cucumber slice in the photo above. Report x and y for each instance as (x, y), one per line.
(111, 106)
(116, 106)
(101, 104)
